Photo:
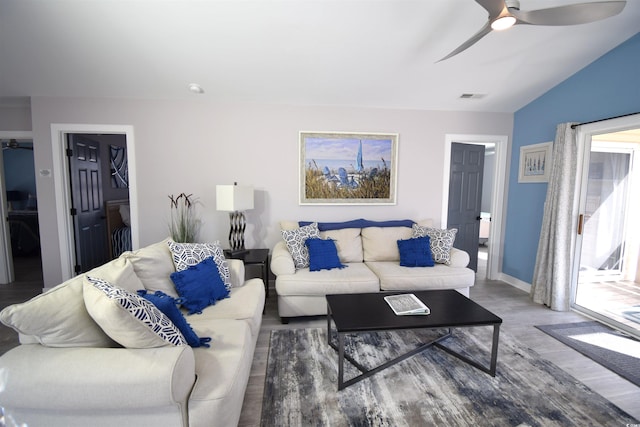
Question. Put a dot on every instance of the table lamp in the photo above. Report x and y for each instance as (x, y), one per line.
(235, 199)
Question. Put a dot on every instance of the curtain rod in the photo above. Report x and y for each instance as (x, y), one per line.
(602, 120)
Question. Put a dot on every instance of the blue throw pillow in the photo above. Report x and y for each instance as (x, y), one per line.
(323, 254)
(169, 306)
(200, 285)
(415, 252)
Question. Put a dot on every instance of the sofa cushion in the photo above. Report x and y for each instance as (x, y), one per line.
(244, 303)
(188, 254)
(356, 278)
(381, 243)
(222, 372)
(323, 254)
(348, 243)
(169, 307)
(441, 241)
(127, 318)
(59, 318)
(153, 264)
(295, 243)
(415, 252)
(394, 277)
(200, 285)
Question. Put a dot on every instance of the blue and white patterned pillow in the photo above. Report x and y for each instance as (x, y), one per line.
(295, 243)
(187, 254)
(441, 241)
(127, 318)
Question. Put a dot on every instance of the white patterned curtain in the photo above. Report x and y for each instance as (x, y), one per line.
(552, 274)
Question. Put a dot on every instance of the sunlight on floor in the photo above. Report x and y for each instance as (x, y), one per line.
(627, 346)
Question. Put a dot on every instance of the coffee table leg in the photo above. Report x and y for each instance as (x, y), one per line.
(340, 361)
(494, 350)
(494, 353)
(328, 324)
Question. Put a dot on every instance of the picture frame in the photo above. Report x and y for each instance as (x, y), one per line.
(535, 163)
(348, 168)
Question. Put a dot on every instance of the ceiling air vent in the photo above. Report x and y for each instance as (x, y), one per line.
(473, 95)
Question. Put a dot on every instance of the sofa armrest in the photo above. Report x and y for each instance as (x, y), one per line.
(35, 377)
(281, 260)
(458, 258)
(236, 272)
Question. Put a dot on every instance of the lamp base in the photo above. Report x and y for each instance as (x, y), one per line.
(236, 232)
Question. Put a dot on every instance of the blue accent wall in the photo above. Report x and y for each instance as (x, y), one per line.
(20, 174)
(608, 87)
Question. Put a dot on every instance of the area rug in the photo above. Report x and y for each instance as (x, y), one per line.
(610, 348)
(430, 389)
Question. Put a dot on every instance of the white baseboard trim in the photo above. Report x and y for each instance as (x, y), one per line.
(516, 283)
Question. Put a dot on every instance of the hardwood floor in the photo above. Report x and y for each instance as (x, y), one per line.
(513, 305)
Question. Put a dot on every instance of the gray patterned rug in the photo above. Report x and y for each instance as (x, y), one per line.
(429, 389)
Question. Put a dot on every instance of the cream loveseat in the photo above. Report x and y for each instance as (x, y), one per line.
(69, 372)
(369, 250)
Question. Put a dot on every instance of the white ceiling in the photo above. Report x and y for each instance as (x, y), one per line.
(376, 53)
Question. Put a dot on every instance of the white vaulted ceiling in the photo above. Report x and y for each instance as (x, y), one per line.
(377, 53)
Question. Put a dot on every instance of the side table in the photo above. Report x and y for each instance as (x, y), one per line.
(259, 257)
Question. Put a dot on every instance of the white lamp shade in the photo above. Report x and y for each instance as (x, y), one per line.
(231, 198)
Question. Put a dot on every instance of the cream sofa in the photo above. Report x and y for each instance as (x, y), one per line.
(45, 383)
(373, 259)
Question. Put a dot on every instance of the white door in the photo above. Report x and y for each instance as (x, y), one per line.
(606, 284)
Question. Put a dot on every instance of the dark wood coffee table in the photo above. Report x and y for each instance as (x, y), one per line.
(369, 312)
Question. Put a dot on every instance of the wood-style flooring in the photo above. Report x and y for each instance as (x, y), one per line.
(513, 305)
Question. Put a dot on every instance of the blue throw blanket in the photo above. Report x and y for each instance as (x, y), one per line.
(359, 223)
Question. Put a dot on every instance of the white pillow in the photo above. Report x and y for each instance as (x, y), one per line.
(186, 255)
(127, 318)
(59, 318)
(153, 265)
(441, 241)
(295, 243)
(381, 243)
(348, 243)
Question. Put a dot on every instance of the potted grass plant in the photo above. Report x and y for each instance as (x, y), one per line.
(183, 225)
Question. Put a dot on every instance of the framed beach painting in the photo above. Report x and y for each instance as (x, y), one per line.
(535, 163)
(348, 168)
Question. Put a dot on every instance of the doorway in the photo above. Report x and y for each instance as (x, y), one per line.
(607, 273)
(59, 133)
(465, 197)
(21, 255)
(492, 211)
(98, 176)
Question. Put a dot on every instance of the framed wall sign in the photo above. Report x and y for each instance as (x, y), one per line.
(348, 168)
(535, 163)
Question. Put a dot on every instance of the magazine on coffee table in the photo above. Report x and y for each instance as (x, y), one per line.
(406, 305)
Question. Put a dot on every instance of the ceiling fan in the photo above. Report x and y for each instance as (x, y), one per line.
(504, 14)
(13, 144)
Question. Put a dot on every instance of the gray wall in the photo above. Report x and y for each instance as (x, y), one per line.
(192, 146)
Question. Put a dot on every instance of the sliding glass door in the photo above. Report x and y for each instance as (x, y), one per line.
(606, 284)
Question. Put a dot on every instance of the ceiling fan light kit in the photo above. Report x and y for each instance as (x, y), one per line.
(503, 23)
(504, 14)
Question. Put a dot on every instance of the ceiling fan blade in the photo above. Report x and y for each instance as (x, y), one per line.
(494, 7)
(573, 14)
(473, 40)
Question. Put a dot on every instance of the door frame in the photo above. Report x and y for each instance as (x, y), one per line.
(62, 188)
(6, 259)
(497, 199)
(584, 135)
